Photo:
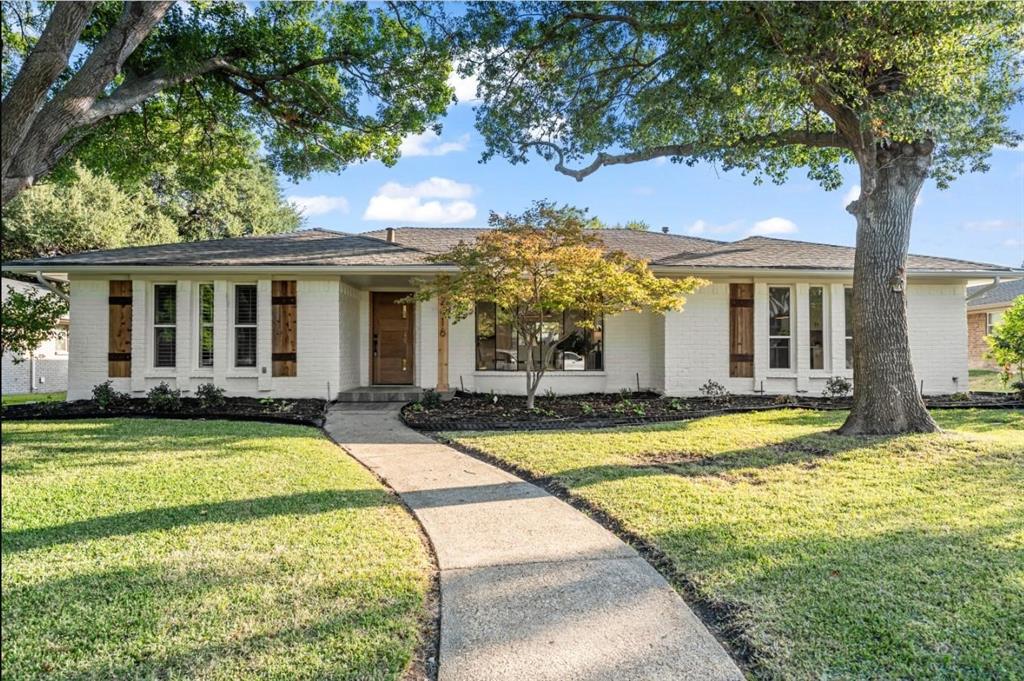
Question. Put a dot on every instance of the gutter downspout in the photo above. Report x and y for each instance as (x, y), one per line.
(52, 288)
(984, 289)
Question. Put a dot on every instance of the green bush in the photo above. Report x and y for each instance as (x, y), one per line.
(210, 396)
(163, 398)
(837, 387)
(106, 397)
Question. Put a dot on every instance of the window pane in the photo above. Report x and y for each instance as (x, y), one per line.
(485, 336)
(206, 346)
(778, 353)
(848, 297)
(778, 311)
(206, 303)
(245, 304)
(849, 353)
(817, 324)
(164, 346)
(165, 303)
(505, 358)
(581, 350)
(245, 346)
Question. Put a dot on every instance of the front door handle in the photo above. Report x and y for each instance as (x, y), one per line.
(376, 345)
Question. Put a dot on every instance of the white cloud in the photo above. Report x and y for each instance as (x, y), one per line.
(320, 204)
(702, 227)
(772, 226)
(990, 225)
(396, 202)
(464, 86)
(429, 143)
(1013, 243)
(852, 195)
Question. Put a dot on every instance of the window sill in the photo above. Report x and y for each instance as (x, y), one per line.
(546, 373)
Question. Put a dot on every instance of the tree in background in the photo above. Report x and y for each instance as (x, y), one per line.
(1006, 344)
(904, 90)
(89, 211)
(29, 319)
(536, 267)
(321, 84)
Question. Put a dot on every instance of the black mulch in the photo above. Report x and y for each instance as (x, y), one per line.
(478, 411)
(304, 411)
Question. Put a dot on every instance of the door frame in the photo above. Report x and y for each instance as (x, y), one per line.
(412, 339)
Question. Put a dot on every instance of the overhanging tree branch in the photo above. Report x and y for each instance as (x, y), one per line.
(782, 138)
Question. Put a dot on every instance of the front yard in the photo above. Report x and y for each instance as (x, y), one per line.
(202, 549)
(823, 556)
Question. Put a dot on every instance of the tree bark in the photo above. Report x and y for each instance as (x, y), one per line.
(886, 399)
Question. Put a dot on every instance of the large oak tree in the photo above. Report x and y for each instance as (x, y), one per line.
(906, 91)
(134, 84)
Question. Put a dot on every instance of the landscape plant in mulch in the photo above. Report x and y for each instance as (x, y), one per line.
(163, 402)
(487, 411)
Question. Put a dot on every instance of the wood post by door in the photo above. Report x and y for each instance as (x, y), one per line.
(442, 347)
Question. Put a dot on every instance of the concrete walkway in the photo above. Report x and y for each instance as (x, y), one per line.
(530, 587)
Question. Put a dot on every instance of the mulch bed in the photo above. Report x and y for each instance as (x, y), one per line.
(478, 411)
(302, 411)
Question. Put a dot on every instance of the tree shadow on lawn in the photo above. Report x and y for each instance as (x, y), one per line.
(900, 603)
(160, 621)
(170, 517)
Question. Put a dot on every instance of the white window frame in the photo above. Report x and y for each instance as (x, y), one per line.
(990, 322)
(847, 330)
(154, 325)
(197, 354)
(792, 309)
(234, 325)
(826, 325)
(63, 337)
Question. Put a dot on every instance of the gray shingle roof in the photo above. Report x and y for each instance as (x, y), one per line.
(1006, 292)
(8, 285)
(414, 246)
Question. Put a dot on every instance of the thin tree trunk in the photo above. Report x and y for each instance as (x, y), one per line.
(886, 399)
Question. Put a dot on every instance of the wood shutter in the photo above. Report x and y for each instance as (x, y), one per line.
(741, 330)
(285, 348)
(119, 338)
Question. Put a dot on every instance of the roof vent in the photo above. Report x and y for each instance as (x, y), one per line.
(389, 235)
(664, 230)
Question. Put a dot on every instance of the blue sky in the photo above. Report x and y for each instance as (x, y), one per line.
(440, 182)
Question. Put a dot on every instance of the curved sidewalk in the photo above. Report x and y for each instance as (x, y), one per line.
(530, 587)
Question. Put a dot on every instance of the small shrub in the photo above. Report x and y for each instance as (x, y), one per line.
(416, 407)
(541, 411)
(630, 407)
(959, 397)
(430, 399)
(587, 408)
(163, 398)
(784, 399)
(210, 396)
(1018, 387)
(715, 392)
(550, 394)
(676, 404)
(106, 397)
(837, 387)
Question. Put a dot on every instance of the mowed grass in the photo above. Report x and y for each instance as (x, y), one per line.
(833, 557)
(141, 549)
(985, 380)
(25, 398)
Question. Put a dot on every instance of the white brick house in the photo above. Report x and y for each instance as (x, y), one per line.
(314, 313)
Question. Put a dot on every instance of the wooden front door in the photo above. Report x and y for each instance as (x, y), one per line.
(392, 340)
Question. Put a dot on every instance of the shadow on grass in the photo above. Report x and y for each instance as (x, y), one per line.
(157, 621)
(166, 518)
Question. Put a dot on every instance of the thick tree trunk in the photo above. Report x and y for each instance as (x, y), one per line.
(886, 399)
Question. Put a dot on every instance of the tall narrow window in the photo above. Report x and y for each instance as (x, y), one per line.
(816, 295)
(245, 325)
(779, 326)
(205, 325)
(165, 330)
(848, 298)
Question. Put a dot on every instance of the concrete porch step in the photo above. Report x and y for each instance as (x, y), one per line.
(381, 393)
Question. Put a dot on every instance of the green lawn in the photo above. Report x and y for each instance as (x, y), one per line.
(985, 380)
(23, 398)
(837, 557)
(147, 549)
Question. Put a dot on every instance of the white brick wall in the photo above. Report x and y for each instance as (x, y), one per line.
(676, 353)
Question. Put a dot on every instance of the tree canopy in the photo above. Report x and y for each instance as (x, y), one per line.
(1006, 344)
(763, 87)
(540, 264)
(127, 86)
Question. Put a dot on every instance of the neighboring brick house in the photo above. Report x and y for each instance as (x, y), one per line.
(315, 313)
(985, 307)
(46, 370)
